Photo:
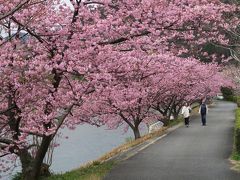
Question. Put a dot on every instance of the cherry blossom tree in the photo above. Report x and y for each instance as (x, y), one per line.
(129, 95)
(56, 59)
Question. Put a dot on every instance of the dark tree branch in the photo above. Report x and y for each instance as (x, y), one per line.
(5, 141)
(3, 155)
(11, 12)
(28, 30)
(126, 120)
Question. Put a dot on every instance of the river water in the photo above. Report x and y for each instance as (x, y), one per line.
(87, 143)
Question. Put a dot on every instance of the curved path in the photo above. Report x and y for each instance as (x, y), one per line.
(194, 153)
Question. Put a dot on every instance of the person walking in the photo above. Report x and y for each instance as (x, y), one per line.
(186, 110)
(203, 110)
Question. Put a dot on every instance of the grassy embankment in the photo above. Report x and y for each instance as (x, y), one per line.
(235, 158)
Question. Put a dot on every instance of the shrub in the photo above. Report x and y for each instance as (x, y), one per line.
(238, 101)
(227, 93)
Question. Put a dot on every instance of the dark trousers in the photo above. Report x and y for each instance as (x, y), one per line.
(203, 119)
(186, 121)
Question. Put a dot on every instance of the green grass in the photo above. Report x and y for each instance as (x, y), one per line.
(235, 160)
(235, 156)
(237, 123)
(175, 122)
(95, 171)
(237, 132)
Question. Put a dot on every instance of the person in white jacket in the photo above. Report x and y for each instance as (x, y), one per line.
(186, 110)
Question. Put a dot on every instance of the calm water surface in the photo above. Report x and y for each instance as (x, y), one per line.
(86, 143)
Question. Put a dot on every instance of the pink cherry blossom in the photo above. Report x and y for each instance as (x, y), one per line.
(102, 62)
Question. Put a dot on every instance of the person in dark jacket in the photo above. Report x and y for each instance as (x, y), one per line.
(203, 110)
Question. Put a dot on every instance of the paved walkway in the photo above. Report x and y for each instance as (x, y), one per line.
(194, 153)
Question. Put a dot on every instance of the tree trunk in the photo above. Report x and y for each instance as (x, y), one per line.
(38, 163)
(32, 168)
(178, 111)
(29, 173)
(136, 133)
(174, 112)
(26, 161)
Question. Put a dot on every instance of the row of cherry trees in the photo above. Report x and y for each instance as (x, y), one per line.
(101, 62)
(141, 83)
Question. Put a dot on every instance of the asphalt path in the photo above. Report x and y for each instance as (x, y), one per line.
(194, 153)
